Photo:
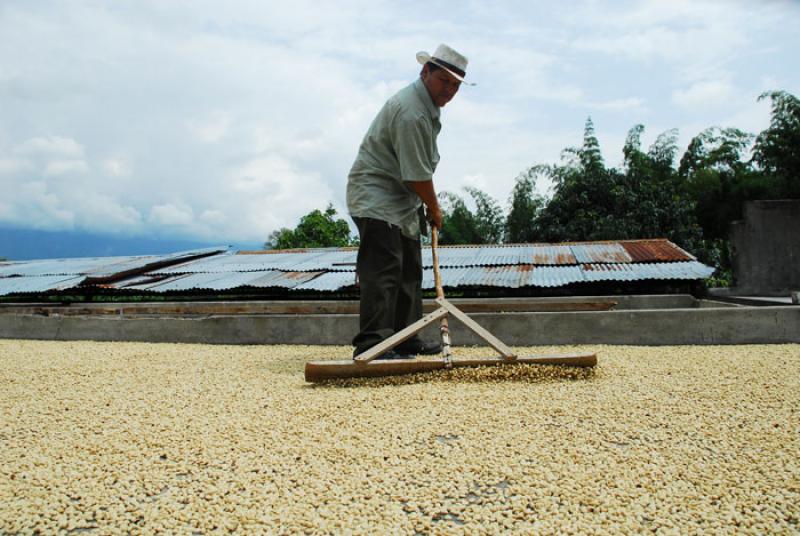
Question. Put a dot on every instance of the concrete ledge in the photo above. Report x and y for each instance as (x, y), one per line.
(734, 325)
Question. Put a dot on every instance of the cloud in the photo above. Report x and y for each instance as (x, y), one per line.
(627, 104)
(117, 167)
(65, 167)
(211, 129)
(38, 207)
(711, 93)
(171, 215)
(182, 118)
(116, 217)
(51, 147)
(10, 166)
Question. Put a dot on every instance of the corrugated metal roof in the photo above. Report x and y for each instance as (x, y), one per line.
(95, 266)
(600, 252)
(228, 280)
(549, 255)
(329, 282)
(310, 261)
(655, 250)
(499, 255)
(44, 283)
(330, 270)
(81, 266)
(637, 272)
(552, 276)
(504, 276)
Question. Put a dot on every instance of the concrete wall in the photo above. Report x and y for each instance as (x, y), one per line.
(724, 325)
(765, 248)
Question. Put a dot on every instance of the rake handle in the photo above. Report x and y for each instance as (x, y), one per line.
(444, 327)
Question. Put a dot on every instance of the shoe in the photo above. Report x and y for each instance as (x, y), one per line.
(415, 347)
(391, 354)
(387, 355)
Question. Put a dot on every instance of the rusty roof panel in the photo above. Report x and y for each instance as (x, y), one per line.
(609, 252)
(551, 276)
(500, 255)
(545, 255)
(228, 280)
(660, 250)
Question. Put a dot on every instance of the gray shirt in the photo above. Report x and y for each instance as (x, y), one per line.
(400, 146)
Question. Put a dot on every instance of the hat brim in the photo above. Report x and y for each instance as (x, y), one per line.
(424, 57)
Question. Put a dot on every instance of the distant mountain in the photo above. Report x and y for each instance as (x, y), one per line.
(26, 244)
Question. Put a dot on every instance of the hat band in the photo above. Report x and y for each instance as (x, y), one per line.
(450, 66)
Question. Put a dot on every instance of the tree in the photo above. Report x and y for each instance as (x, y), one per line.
(719, 178)
(461, 226)
(489, 219)
(652, 198)
(644, 199)
(777, 148)
(582, 205)
(525, 206)
(316, 230)
(458, 222)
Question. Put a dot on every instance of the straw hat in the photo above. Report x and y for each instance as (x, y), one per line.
(449, 60)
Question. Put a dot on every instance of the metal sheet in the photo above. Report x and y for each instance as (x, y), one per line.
(45, 283)
(642, 271)
(609, 252)
(300, 261)
(551, 276)
(546, 255)
(228, 281)
(95, 266)
(505, 276)
(78, 266)
(329, 282)
(660, 250)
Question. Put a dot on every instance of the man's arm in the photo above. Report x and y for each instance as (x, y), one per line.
(427, 193)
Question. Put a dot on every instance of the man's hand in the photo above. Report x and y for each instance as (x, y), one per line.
(435, 216)
(426, 192)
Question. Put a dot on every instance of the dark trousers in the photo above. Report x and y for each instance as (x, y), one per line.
(389, 268)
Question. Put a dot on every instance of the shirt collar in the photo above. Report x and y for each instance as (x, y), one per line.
(423, 94)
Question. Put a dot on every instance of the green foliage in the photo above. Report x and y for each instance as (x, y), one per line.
(525, 205)
(652, 199)
(458, 222)
(777, 148)
(316, 230)
(461, 226)
(720, 179)
(489, 219)
(646, 199)
(582, 205)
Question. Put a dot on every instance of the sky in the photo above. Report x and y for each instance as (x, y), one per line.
(224, 121)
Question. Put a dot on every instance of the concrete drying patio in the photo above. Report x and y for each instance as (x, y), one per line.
(104, 438)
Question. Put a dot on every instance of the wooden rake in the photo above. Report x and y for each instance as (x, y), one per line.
(364, 365)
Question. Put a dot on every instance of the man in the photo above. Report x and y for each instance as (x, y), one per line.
(390, 181)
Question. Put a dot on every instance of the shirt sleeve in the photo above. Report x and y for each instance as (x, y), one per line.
(413, 143)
